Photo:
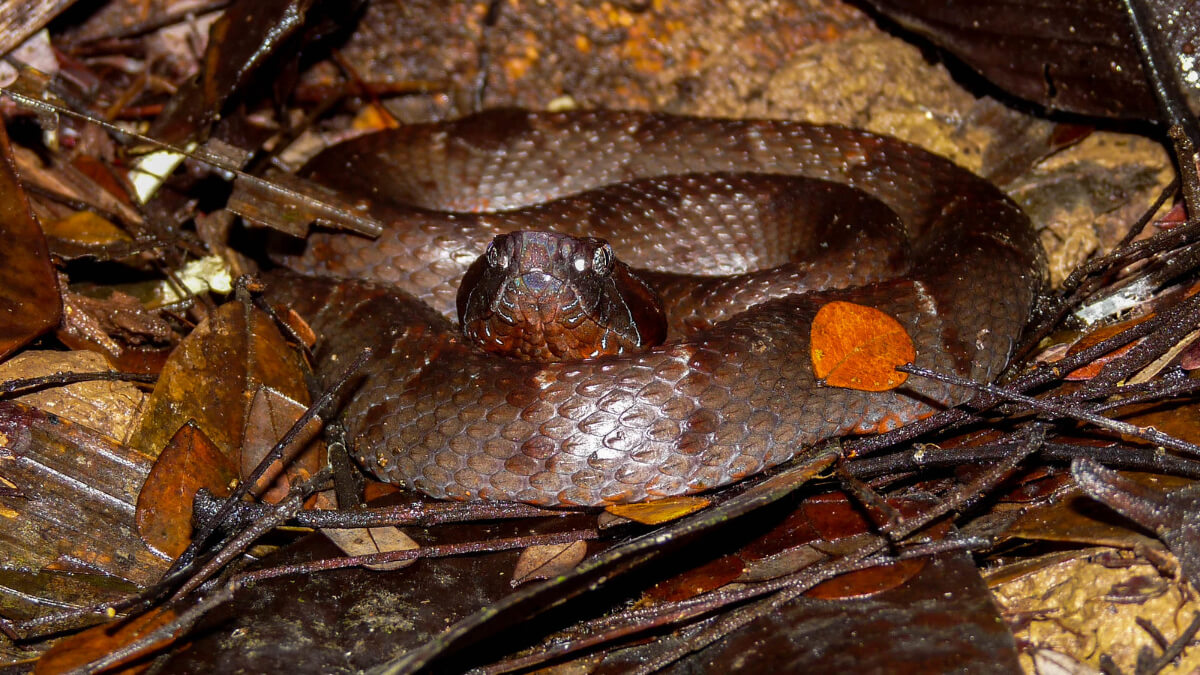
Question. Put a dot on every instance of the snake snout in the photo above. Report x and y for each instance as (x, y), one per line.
(538, 282)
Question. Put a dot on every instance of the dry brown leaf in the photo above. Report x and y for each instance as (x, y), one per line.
(133, 339)
(548, 561)
(105, 406)
(221, 355)
(271, 415)
(367, 540)
(28, 283)
(80, 649)
(859, 347)
(88, 229)
(164, 507)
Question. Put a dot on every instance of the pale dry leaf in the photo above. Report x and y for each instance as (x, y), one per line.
(367, 540)
(548, 560)
(108, 407)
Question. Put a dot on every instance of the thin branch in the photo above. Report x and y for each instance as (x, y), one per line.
(1149, 434)
(422, 514)
(439, 551)
(19, 387)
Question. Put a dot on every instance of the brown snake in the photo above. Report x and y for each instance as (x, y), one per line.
(729, 394)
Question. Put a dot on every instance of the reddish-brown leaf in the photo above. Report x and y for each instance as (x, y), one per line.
(866, 582)
(164, 508)
(133, 339)
(78, 650)
(223, 354)
(1096, 337)
(270, 417)
(858, 347)
(29, 300)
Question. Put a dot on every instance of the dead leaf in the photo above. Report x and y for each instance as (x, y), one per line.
(29, 299)
(164, 507)
(290, 204)
(1096, 337)
(858, 347)
(132, 338)
(870, 581)
(110, 408)
(823, 527)
(222, 354)
(367, 540)
(658, 511)
(271, 415)
(50, 462)
(548, 561)
(87, 229)
(80, 649)
(1086, 602)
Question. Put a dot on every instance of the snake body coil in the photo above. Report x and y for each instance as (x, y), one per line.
(728, 395)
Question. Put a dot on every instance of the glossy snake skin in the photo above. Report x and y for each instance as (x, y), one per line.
(732, 392)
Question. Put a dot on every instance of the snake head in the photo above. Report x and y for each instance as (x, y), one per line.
(543, 296)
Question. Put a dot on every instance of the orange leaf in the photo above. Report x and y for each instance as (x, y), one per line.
(71, 653)
(859, 347)
(86, 228)
(164, 507)
(659, 510)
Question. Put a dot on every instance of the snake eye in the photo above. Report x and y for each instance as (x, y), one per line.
(602, 259)
(494, 257)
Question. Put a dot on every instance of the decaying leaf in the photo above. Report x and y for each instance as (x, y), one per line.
(859, 347)
(547, 561)
(1087, 603)
(658, 511)
(132, 338)
(29, 297)
(164, 507)
(83, 648)
(110, 408)
(47, 462)
(271, 415)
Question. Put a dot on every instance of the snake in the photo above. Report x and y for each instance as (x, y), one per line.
(747, 228)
